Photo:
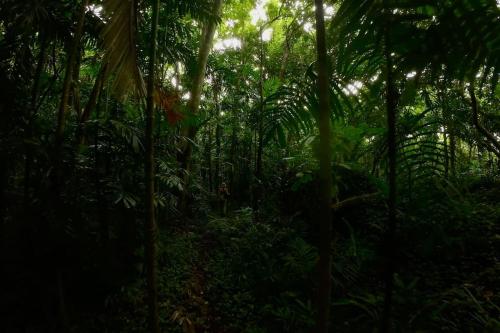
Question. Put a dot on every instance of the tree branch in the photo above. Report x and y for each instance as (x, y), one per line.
(352, 201)
(475, 119)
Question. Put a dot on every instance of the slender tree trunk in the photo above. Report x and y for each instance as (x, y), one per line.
(490, 148)
(70, 66)
(92, 103)
(325, 176)
(177, 76)
(209, 160)
(258, 159)
(204, 172)
(54, 78)
(232, 156)
(284, 63)
(471, 146)
(260, 131)
(450, 129)
(218, 150)
(53, 59)
(452, 148)
(194, 103)
(100, 198)
(42, 59)
(75, 85)
(218, 134)
(260, 147)
(445, 117)
(446, 156)
(57, 176)
(391, 105)
(151, 227)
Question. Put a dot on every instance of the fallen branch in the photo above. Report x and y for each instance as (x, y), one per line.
(354, 201)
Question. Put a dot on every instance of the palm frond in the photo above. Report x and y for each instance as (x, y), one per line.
(294, 108)
(120, 44)
(422, 154)
(456, 38)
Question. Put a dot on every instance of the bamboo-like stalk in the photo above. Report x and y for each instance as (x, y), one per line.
(150, 221)
(325, 175)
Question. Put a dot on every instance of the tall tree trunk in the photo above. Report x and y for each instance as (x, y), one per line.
(453, 148)
(75, 85)
(260, 131)
(57, 176)
(287, 50)
(35, 91)
(218, 133)
(284, 61)
(151, 227)
(446, 155)
(196, 90)
(218, 153)
(445, 123)
(209, 159)
(42, 59)
(232, 157)
(471, 147)
(99, 193)
(70, 66)
(391, 105)
(325, 175)
(92, 103)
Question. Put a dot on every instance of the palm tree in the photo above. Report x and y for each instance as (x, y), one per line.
(196, 90)
(449, 39)
(151, 228)
(325, 175)
(391, 105)
(120, 43)
(70, 68)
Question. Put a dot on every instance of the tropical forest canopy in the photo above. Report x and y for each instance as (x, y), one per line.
(250, 166)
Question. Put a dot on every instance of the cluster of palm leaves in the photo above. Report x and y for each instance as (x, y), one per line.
(294, 107)
(122, 35)
(431, 41)
(457, 37)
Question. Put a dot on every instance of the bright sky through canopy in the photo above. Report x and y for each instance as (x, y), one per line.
(259, 13)
(232, 43)
(267, 34)
(96, 9)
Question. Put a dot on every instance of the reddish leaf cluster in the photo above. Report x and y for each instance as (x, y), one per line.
(168, 101)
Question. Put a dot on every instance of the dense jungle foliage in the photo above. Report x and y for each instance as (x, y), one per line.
(249, 166)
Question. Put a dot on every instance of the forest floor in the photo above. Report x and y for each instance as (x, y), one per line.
(443, 279)
(229, 274)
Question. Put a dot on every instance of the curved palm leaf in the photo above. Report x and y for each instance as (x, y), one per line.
(294, 107)
(120, 42)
